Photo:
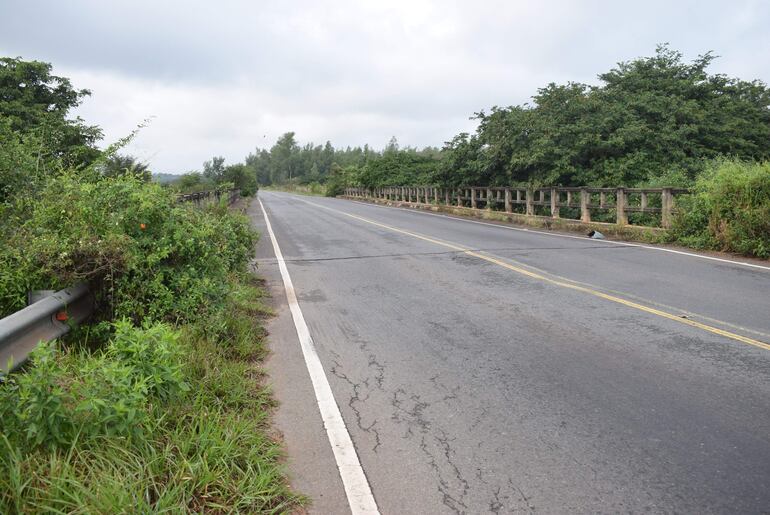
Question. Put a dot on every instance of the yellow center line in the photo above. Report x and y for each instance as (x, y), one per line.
(563, 284)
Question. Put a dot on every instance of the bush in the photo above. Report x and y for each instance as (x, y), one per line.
(96, 433)
(147, 256)
(63, 397)
(152, 356)
(728, 210)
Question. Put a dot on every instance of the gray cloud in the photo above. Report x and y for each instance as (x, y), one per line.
(224, 77)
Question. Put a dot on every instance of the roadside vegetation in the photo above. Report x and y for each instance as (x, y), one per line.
(650, 122)
(158, 403)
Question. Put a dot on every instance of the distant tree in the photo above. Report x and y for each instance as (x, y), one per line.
(258, 163)
(119, 164)
(214, 170)
(242, 177)
(191, 182)
(284, 158)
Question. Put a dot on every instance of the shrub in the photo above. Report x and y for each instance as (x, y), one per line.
(147, 256)
(729, 209)
(62, 397)
(152, 357)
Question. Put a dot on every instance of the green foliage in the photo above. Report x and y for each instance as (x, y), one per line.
(152, 355)
(65, 397)
(147, 256)
(396, 167)
(33, 108)
(37, 407)
(203, 449)
(649, 118)
(109, 397)
(729, 209)
(192, 182)
(118, 164)
(147, 416)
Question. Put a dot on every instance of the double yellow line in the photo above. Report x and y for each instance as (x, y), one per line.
(556, 282)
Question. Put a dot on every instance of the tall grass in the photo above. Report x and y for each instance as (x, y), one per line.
(197, 438)
(729, 209)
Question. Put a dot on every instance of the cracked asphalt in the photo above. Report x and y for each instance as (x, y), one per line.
(469, 388)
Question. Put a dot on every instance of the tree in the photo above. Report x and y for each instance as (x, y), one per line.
(33, 102)
(119, 164)
(284, 158)
(214, 170)
(241, 176)
(191, 182)
(649, 120)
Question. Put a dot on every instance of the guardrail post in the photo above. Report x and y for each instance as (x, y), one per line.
(585, 200)
(667, 207)
(473, 198)
(489, 199)
(620, 206)
(530, 202)
(554, 203)
(507, 200)
(446, 196)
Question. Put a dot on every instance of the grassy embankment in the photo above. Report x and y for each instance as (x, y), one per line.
(160, 403)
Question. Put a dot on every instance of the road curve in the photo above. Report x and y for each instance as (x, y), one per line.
(484, 369)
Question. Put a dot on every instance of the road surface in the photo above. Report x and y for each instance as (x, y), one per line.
(484, 368)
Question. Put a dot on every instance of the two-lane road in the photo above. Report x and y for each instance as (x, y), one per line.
(482, 368)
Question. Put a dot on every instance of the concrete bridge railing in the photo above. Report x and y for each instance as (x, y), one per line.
(552, 199)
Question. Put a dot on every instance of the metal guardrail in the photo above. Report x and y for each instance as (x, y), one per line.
(44, 320)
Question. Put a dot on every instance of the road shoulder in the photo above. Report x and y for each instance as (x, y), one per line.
(310, 461)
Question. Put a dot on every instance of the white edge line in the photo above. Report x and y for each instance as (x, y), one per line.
(357, 490)
(546, 233)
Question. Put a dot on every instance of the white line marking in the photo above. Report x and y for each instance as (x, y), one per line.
(583, 238)
(360, 498)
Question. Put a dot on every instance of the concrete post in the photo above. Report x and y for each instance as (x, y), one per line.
(603, 199)
(490, 196)
(446, 196)
(667, 207)
(585, 200)
(473, 198)
(530, 202)
(435, 195)
(620, 206)
(644, 201)
(507, 200)
(554, 203)
(459, 200)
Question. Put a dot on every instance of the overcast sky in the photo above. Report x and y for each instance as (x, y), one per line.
(224, 77)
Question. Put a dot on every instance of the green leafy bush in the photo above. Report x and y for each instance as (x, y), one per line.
(729, 209)
(119, 428)
(152, 355)
(148, 257)
(66, 396)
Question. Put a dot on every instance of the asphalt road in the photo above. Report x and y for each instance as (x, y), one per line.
(483, 381)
